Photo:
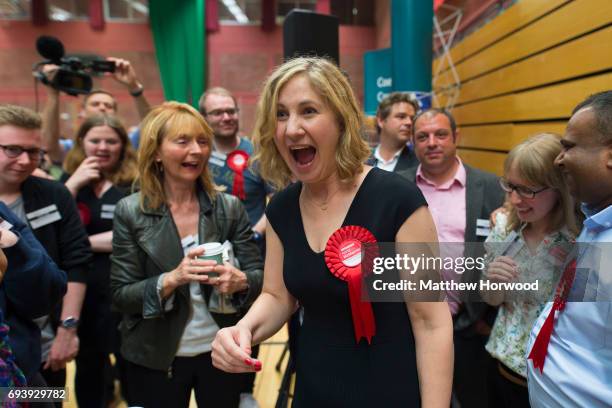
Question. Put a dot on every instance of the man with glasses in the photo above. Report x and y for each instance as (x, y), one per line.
(228, 161)
(48, 208)
(394, 125)
(229, 167)
(461, 199)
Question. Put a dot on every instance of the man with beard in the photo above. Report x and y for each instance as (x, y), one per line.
(229, 159)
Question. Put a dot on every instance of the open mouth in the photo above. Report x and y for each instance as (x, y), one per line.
(303, 155)
(191, 165)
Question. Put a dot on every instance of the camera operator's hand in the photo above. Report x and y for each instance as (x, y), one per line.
(124, 73)
(48, 70)
(88, 171)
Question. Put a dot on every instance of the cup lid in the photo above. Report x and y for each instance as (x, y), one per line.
(212, 248)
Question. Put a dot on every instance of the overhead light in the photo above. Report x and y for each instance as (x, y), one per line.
(138, 6)
(236, 11)
(59, 14)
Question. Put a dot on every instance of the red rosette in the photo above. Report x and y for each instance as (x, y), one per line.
(84, 213)
(238, 161)
(343, 256)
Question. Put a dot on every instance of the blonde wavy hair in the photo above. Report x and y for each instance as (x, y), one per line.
(534, 160)
(166, 121)
(335, 90)
(125, 171)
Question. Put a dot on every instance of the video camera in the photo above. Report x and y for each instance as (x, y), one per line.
(74, 74)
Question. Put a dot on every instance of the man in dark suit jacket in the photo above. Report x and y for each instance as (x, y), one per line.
(461, 199)
(394, 125)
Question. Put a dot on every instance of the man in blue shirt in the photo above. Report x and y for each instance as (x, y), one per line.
(577, 369)
(219, 108)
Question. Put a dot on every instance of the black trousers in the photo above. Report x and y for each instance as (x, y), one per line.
(213, 388)
(93, 374)
(54, 379)
(504, 392)
(472, 363)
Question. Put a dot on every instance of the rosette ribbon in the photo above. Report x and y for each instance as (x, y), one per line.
(343, 257)
(84, 213)
(540, 346)
(238, 161)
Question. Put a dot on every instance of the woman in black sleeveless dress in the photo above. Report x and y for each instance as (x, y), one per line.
(309, 129)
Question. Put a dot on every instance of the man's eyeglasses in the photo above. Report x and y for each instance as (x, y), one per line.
(522, 191)
(217, 113)
(14, 151)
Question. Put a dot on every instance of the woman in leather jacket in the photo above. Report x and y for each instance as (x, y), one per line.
(159, 283)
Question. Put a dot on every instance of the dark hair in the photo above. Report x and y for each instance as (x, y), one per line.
(601, 104)
(434, 112)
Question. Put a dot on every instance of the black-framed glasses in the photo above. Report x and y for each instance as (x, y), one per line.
(522, 191)
(14, 151)
(217, 113)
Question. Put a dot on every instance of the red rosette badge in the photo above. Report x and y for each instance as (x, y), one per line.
(238, 161)
(84, 213)
(343, 256)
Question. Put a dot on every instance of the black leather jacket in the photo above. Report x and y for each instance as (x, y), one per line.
(145, 245)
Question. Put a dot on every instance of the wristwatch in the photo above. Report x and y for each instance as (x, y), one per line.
(137, 92)
(70, 323)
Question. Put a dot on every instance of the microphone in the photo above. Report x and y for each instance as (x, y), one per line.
(50, 47)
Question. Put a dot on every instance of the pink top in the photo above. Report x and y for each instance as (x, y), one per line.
(447, 205)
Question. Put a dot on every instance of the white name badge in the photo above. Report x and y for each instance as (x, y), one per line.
(4, 224)
(44, 216)
(483, 223)
(107, 212)
(482, 227)
(188, 242)
(216, 162)
(218, 155)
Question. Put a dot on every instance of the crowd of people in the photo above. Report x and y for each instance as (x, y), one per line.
(150, 246)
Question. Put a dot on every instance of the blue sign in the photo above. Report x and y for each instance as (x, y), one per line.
(378, 81)
(377, 78)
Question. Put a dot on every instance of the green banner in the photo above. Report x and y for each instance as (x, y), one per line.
(180, 45)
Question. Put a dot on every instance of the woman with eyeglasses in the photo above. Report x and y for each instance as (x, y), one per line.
(529, 244)
(100, 170)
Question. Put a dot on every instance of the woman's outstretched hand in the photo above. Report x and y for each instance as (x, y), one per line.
(231, 350)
